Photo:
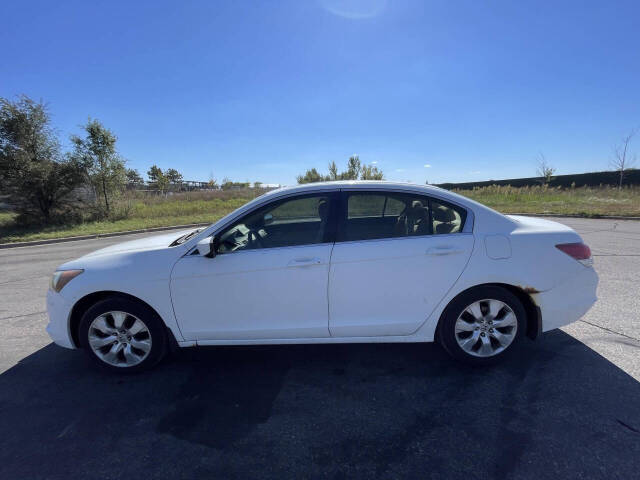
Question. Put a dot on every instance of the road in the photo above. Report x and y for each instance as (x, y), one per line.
(566, 406)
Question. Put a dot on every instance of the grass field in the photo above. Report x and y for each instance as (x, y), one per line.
(152, 211)
(585, 201)
(200, 207)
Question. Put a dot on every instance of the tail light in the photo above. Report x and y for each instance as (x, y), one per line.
(578, 251)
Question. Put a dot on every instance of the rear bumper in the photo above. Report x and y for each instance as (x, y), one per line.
(58, 326)
(568, 301)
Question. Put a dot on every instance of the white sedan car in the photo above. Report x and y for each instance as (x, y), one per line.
(332, 262)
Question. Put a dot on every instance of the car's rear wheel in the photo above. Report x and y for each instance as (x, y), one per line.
(481, 325)
(123, 335)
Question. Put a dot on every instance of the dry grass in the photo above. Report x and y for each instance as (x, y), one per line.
(136, 212)
(145, 211)
(585, 201)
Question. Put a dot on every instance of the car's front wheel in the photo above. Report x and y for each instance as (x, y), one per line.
(123, 335)
(481, 325)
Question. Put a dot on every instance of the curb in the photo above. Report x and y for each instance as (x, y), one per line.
(98, 235)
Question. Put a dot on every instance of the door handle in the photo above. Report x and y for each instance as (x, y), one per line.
(304, 262)
(440, 251)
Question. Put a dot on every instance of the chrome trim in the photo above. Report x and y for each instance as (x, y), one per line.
(271, 249)
(413, 237)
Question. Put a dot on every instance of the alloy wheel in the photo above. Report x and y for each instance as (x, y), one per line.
(119, 339)
(486, 327)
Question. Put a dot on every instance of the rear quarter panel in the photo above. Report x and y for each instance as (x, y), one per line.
(526, 258)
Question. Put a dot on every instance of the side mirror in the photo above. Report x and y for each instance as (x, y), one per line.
(268, 218)
(207, 247)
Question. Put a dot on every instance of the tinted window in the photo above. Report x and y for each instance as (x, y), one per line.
(377, 215)
(298, 221)
(393, 207)
(366, 206)
(447, 218)
(389, 215)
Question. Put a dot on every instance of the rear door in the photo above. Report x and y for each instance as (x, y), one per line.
(396, 257)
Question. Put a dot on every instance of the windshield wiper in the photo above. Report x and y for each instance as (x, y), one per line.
(184, 238)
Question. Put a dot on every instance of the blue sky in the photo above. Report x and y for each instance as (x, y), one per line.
(262, 90)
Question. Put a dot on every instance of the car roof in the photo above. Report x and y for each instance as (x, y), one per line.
(383, 185)
(355, 184)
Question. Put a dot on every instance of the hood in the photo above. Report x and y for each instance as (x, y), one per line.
(147, 243)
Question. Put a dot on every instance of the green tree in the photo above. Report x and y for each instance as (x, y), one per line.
(311, 176)
(134, 179)
(355, 171)
(157, 178)
(174, 176)
(96, 151)
(154, 173)
(371, 172)
(37, 181)
(333, 171)
(354, 168)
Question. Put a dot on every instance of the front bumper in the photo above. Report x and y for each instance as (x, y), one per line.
(59, 312)
(568, 301)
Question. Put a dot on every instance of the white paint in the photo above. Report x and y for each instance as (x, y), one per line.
(251, 294)
(389, 287)
(391, 290)
(498, 246)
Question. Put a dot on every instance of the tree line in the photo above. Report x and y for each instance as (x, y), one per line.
(43, 184)
(355, 171)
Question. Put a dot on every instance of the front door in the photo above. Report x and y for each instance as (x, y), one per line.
(268, 279)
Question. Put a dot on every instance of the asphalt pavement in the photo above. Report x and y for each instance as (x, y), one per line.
(566, 406)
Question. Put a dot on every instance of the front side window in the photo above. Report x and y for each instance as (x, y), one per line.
(285, 223)
(376, 215)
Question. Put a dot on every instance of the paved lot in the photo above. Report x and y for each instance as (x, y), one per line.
(563, 407)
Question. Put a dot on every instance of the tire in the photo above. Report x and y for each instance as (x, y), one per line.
(469, 330)
(123, 335)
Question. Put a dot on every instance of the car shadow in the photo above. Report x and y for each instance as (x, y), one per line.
(554, 409)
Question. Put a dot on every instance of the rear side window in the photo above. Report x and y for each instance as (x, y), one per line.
(376, 215)
(385, 215)
(447, 218)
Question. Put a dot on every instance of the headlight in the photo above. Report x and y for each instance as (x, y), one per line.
(62, 277)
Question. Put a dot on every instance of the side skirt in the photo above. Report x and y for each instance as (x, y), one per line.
(295, 341)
